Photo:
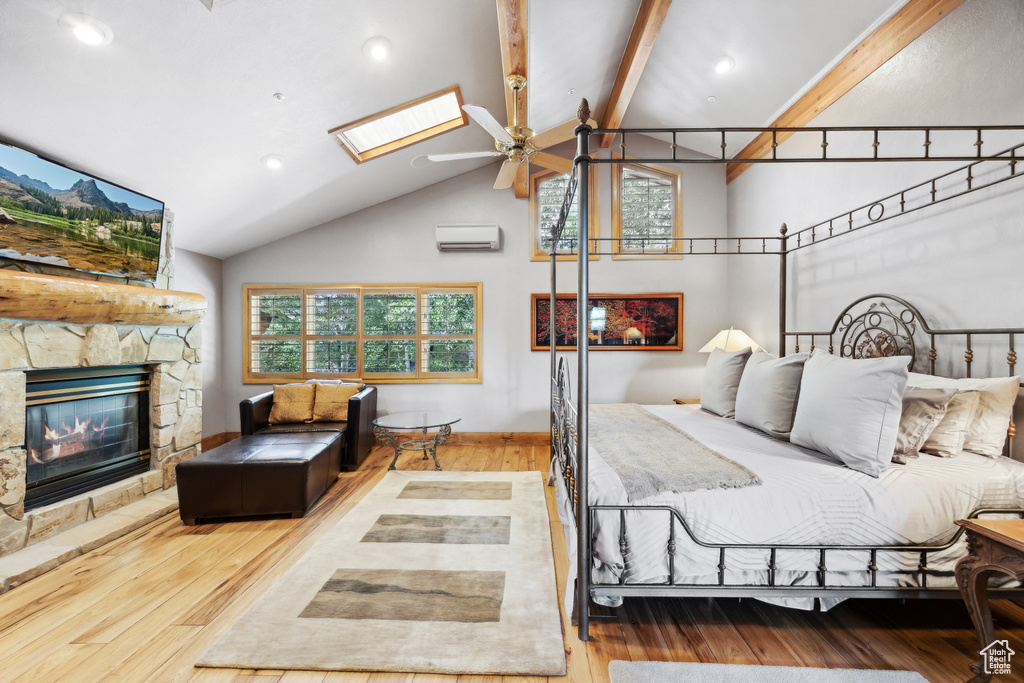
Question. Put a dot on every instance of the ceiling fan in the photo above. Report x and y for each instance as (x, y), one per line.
(517, 143)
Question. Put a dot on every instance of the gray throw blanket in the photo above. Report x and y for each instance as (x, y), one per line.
(652, 456)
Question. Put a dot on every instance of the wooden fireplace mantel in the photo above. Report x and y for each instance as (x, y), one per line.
(31, 296)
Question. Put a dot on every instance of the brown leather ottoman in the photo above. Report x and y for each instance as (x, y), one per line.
(259, 474)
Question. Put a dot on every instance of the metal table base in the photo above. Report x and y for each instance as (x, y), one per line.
(425, 444)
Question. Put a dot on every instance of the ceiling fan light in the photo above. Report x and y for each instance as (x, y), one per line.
(377, 48)
(724, 64)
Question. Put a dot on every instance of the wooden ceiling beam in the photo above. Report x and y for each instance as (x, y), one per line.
(646, 28)
(512, 26)
(913, 19)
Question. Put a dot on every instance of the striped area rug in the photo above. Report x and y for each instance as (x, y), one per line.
(432, 572)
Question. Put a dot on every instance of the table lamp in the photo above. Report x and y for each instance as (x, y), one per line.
(730, 340)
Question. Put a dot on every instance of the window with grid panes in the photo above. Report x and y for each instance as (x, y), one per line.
(380, 333)
(547, 192)
(332, 326)
(275, 332)
(646, 211)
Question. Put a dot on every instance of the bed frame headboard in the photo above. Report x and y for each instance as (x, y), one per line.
(885, 325)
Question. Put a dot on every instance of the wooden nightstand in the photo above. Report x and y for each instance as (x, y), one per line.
(994, 545)
(687, 401)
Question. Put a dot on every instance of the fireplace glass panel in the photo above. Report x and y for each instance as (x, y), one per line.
(70, 436)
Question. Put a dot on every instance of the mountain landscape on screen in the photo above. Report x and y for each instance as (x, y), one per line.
(91, 225)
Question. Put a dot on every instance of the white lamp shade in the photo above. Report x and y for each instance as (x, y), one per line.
(730, 340)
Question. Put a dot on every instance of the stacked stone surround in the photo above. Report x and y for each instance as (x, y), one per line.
(176, 398)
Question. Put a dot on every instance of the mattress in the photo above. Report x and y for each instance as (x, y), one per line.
(805, 498)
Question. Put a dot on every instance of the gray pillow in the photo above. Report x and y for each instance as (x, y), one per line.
(850, 409)
(947, 439)
(923, 410)
(766, 398)
(721, 380)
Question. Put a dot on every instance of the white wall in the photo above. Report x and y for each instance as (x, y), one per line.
(204, 274)
(958, 262)
(394, 242)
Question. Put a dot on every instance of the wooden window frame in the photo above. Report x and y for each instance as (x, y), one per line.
(675, 249)
(537, 253)
(307, 337)
(401, 143)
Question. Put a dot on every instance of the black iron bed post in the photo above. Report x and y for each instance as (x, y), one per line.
(556, 234)
(782, 291)
(584, 541)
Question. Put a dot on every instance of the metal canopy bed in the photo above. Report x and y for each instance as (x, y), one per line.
(895, 319)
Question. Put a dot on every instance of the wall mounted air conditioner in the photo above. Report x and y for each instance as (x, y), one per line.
(468, 237)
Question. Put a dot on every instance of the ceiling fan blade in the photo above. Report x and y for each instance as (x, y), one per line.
(507, 174)
(560, 133)
(553, 163)
(521, 185)
(463, 155)
(488, 123)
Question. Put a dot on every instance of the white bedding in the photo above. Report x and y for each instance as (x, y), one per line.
(805, 498)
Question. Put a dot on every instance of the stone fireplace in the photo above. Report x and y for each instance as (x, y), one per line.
(168, 356)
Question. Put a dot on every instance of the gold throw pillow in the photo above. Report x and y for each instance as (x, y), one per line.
(293, 403)
(332, 401)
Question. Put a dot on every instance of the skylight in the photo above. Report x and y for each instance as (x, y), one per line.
(401, 126)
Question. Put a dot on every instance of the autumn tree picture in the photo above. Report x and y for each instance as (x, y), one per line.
(638, 322)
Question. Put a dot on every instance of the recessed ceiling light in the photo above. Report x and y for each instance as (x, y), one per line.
(712, 98)
(273, 161)
(724, 64)
(88, 30)
(377, 48)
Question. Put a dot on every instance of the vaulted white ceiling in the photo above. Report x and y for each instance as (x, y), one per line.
(180, 106)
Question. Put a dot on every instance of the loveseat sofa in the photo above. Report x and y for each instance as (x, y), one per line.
(357, 430)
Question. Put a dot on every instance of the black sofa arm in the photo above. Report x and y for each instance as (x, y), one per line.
(255, 412)
(362, 411)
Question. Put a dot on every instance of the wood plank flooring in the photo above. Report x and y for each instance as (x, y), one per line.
(144, 607)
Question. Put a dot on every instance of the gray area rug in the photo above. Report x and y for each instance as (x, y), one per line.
(432, 572)
(696, 672)
(652, 456)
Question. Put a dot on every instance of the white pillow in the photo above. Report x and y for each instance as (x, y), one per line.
(721, 380)
(986, 433)
(947, 439)
(850, 409)
(923, 411)
(766, 398)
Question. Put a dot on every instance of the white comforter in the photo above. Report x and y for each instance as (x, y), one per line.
(805, 498)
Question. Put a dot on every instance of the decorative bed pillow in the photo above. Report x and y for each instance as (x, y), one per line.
(850, 409)
(721, 380)
(923, 410)
(986, 433)
(768, 390)
(947, 439)
(331, 403)
(293, 403)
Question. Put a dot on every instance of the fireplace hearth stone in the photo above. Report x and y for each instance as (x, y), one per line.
(174, 356)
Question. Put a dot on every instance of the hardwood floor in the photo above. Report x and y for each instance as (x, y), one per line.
(144, 607)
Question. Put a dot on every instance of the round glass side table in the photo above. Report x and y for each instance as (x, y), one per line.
(385, 428)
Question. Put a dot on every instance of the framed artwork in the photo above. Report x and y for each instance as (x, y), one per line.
(618, 322)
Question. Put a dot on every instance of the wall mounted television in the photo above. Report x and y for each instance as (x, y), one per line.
(52, 214)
